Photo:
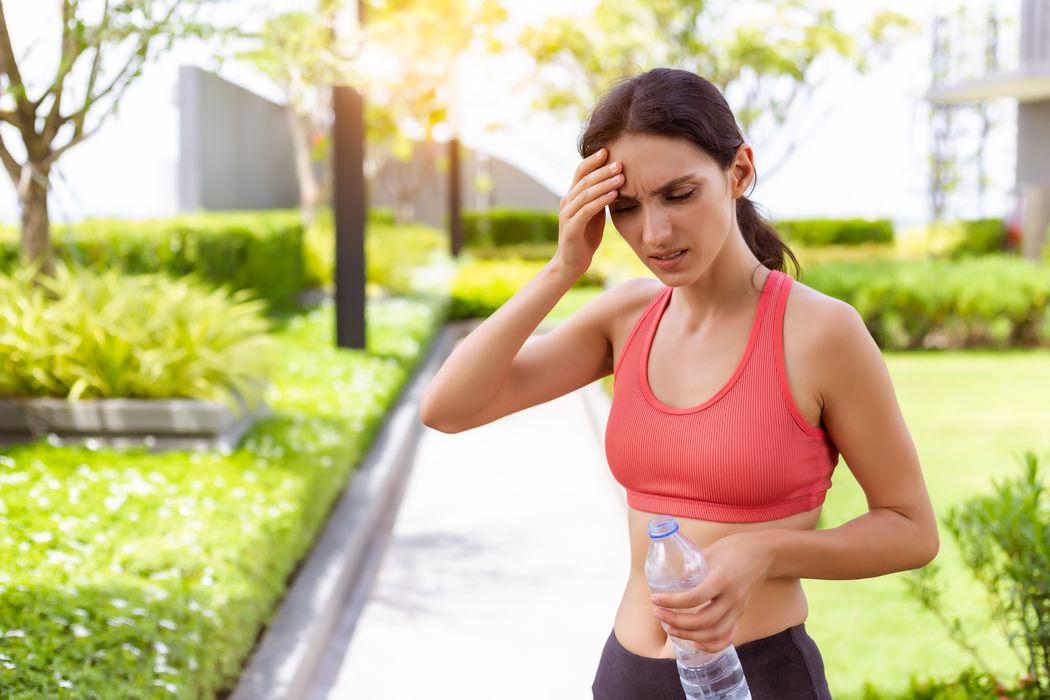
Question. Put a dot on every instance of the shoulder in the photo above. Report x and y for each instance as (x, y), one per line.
(829, 333)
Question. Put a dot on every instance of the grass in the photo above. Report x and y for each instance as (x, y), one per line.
(969, 414)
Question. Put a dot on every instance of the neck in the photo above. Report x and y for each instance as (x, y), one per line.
(733, 281)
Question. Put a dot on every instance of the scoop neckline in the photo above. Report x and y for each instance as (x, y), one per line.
(756, 323)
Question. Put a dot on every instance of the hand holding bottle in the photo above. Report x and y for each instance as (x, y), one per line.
(708, 614)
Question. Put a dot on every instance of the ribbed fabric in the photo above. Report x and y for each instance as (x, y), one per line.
(744, 455)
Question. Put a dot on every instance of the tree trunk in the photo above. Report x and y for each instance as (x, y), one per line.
(309, 189)
(36, 226)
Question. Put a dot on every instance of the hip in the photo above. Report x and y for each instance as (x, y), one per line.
(782, 666)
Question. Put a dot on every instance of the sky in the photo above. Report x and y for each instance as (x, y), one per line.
(862, 152)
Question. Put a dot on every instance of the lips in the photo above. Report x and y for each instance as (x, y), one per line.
(670, 252)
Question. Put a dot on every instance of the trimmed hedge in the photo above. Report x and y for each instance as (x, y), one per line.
(992, 301)
(125, 574)
(980, 237)
(823, 232)
(504, 226)
(260, 251)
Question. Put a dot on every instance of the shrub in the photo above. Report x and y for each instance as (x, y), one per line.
(823, 232)
(997, 301)
(258, 251)
(1004, 539)
(392, 251)
(970, 685)
(499, 227)
(125, 574)
(84, 335)
(980, 237)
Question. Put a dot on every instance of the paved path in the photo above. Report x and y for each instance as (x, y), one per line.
(503, 570)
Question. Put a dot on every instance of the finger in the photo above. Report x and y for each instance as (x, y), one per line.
(589, 210)
(708, 615)
(698, 595)
(712, 639)
(588, 164)
(596, 184)
(602, 193)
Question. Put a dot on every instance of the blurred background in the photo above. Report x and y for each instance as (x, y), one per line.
(189, 378)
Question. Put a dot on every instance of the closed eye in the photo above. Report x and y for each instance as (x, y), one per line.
(678, 198)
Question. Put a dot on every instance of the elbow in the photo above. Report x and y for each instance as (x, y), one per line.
(927, 546)
(432, 418)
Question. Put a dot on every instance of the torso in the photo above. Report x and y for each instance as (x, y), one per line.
(776, 604)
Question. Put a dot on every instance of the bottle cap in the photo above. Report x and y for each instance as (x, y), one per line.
(663, 526)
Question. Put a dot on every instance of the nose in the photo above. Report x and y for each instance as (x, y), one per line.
(656, 226)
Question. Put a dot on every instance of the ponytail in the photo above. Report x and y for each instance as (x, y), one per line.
(763, 239)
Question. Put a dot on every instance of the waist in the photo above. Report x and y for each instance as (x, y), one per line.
(775, 606)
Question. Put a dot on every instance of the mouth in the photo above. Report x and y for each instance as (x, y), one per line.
(671, 261)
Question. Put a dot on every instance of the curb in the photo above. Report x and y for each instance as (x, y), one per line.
(293, 645)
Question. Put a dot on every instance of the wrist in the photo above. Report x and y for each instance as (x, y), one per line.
(557, 268)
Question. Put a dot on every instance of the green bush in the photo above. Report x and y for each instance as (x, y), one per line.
(823, 232)
(82, 335)
(125, 574)
(1004, 539)
(392, 251)
(258, 251)
(980, 237)
(482, 286)
(993, 301)
(970, 685)
(499, 227)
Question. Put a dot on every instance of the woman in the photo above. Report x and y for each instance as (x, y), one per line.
(736, 389)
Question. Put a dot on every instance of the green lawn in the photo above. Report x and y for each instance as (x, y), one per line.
(970, 414)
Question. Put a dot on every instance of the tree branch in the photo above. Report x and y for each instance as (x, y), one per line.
(10, 164)
(122, 79)
(53, 122)
(24, 112)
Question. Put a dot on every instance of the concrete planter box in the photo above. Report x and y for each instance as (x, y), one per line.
(155, 423)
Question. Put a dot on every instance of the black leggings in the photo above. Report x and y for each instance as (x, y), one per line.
(783, 666)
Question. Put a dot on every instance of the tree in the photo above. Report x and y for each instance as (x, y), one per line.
(303, 54)
(418, 43)
(83, 91)
(763, 65)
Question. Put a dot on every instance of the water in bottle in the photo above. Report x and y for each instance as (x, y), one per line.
(675, 564)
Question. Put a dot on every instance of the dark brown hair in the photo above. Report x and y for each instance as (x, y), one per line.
(679, 103)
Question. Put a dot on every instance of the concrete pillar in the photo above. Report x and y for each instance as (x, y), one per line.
(1035, 218)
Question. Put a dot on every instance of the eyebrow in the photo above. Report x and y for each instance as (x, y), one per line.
(669, 185)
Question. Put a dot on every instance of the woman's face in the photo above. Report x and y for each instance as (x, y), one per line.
(675, 197)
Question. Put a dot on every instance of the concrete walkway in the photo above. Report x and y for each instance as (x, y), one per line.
(500, 575)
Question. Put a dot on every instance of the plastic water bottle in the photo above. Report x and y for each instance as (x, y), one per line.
(674, 564)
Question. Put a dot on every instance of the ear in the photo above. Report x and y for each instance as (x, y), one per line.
(742, 170)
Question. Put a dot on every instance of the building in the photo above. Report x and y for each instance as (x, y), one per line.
(1028, 81)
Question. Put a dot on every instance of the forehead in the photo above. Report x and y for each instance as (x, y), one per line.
(648, 156)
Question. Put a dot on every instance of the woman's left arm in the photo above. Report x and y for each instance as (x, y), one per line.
(861, 414)
(899, 531)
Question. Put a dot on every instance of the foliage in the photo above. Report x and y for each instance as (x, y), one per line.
(506, 226)
(995, 301)
(82, 335)
(1004, 538)
(260, 251)
(970, 685)
(826, 232)
(980, 237)
(762, 65)
(392, 252)
(125, 574)
(101, 53)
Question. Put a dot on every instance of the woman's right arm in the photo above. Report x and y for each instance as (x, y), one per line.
(493, 372)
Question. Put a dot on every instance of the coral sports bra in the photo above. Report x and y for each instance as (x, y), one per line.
(745, 455)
